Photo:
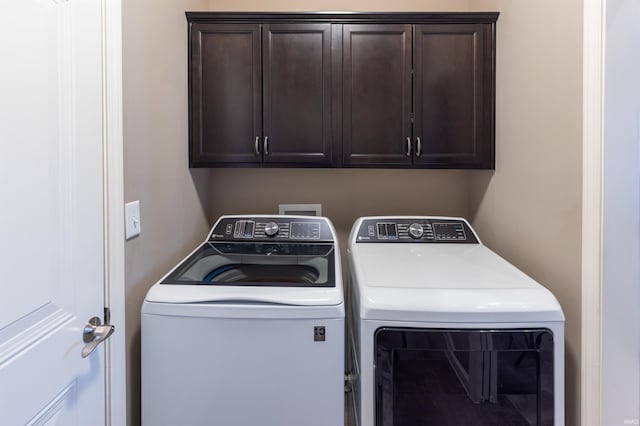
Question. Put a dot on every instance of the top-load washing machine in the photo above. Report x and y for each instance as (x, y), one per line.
(248, 329)
(443, 331)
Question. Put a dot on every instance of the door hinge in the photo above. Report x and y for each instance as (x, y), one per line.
(107, 316)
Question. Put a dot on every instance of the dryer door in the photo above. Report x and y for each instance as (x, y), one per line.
(464, 377)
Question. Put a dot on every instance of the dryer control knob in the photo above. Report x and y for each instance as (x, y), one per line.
(271, 229)
(416, 231)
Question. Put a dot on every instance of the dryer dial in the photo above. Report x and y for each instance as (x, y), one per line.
(271, 229)
(416, 230)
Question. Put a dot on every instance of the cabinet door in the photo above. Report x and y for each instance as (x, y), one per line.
(226, 90)
(454, 95)
(377, 95)
(297, 93)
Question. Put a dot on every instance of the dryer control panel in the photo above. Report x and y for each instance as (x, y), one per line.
(415, 230)
(271, 228)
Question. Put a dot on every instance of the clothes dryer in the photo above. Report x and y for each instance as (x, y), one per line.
(248, 329)
(444, 331)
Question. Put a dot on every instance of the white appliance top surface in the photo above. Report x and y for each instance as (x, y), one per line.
(444, 282)
(436, 266)
(252, 294)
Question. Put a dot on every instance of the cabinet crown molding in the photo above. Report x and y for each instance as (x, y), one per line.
(348, 17)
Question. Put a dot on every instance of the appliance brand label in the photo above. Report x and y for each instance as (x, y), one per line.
(319, 334)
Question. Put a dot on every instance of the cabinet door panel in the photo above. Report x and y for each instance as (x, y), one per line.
(226, 92)
(297, 93)
(377, 94)
(454, 95)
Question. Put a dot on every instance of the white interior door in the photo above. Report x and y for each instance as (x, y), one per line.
(51, 211)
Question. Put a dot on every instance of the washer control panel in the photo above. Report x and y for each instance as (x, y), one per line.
(271, 228)
(415, 230)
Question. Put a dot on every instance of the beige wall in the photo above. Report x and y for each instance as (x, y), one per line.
(536, 185)
(344, 194)
(172, 198)
(529, 209)
(338, 5)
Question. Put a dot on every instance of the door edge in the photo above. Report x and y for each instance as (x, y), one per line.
(114, 248)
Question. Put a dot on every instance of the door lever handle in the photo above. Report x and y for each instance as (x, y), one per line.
(93, 334)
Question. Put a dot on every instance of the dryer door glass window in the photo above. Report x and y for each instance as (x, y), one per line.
(464, 377)
(258, 264)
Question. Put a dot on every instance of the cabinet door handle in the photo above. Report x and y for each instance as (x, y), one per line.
(418, 147)
(408, 147)
(266, 145)
(256, 146)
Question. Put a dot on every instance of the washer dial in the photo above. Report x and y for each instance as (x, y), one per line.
(416, 231)
(271, 229)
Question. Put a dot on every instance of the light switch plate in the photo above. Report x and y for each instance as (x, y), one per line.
(132, 219)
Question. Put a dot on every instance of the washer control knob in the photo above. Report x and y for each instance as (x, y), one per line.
(416, 231)
(271, 229)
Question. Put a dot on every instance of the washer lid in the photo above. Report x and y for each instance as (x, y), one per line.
(246, 295)
(242, 310)
(257, 264)
(192, 281)
(239, 265)
(452, 283)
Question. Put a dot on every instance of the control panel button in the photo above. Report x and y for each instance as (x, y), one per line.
(271, 229)
(416, 231)
(449, 231)
(387, 231)
(392, 231)
(244, 229)
(382, 231)
(305, 230)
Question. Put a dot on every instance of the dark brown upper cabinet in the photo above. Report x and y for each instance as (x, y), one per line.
(453, 121)
(377, 95)
(260, 93)
(297, 93)
(406, 90)
(419, 95)
(225, 93)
